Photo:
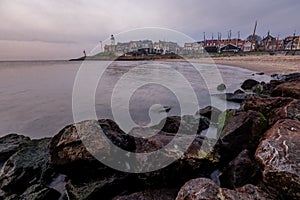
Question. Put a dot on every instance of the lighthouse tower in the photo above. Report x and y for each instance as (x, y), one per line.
(112, 40)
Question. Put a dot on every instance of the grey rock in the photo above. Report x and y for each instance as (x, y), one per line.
(206, 189)
(157, 194)
(275, 108)
(187, 124)
(210, 112)
(241, 131)
(196, 160)
(40, 192)
(9, 144)
(221, 87)
(237, 97)
(278, 156)
(249, 84)
(101, 187)
(286, 77)
(239, 91)
(240, 171)
(26, 167)
(260, 73)
(288, 89)
(68, 149)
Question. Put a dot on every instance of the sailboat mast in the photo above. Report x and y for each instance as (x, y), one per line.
(253, 35)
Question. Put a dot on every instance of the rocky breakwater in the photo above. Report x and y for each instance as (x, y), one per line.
(256, 154)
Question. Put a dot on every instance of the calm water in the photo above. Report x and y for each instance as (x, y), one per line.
(36, 97)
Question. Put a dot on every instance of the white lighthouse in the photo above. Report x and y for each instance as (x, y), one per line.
(112, 40)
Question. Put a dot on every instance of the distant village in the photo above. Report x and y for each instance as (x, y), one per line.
(253, 43)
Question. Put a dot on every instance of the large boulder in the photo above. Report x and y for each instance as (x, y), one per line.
(69, 155)
(206, 189)
(241, 131)
(288, 89)
(268, 88)
(278, 156)
(105, 186)
(26, 167)
(187, 124)
(195, 160)
(88, 178)
(240, 171)
(9, 144)
(275, 108)
(36, 192)
(157, 194)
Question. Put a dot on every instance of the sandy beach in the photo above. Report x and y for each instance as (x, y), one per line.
(268, 64)
(276, 64)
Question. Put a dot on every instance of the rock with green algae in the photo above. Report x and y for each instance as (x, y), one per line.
(242, 130)
(9, 144)
(275, 108)
(223, 118)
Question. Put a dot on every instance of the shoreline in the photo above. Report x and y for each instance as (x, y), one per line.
(268, 64)
(276, 64)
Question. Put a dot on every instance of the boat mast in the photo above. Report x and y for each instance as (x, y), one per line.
(253, 35)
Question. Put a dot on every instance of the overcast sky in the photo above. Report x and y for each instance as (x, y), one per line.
(62, 29)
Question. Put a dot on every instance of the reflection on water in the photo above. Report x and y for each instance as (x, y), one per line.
(36, 97)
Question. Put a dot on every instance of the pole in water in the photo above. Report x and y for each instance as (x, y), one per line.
(84, 53)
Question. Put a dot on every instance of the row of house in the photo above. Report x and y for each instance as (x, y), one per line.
(160, 47)
(233, 45)
(268, 43)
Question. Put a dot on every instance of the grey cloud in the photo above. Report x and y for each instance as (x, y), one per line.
(87, 22)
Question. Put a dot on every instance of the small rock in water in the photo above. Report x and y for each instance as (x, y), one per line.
(210, 112)
(239, 91)
(221, 87)
(249, 84)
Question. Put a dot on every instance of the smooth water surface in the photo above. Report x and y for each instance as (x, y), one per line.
(36, 96)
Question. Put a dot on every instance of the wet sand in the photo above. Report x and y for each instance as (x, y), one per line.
(267, 64)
